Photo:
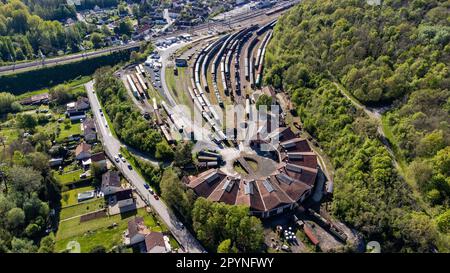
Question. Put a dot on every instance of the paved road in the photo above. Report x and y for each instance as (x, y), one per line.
(112, 146)
(220, 25)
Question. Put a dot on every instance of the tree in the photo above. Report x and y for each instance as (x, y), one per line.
(60, 94)
(183, 154)
(22, 246)
(442, 161)
(216, 222)
(24, 179)
(164, 151)
(47, 244)
(26, 121)
(125, 27)
(443, 221)
(32, 230)
(175, 194)
(8, 103)
(15, 218)
(224, 246)
(431, 143)
(97, 40)
(264, 100)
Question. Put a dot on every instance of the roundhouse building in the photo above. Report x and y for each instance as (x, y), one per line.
(290, 184)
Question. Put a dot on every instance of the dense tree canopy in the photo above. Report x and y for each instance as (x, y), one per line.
(215, 223)
(379, 52)
(29, 32)
(399, 52)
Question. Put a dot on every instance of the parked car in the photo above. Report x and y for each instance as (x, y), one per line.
(146, 186)
(156, 196)
(151, 191)
(129, 167)
(116, 158)
(123, 159)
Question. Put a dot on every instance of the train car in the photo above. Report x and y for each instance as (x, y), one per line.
(132, 86)
(210, 154)
(166, 108)
(141, 67)
(142, 81)
(167, 134)
(206, 158)
(158, 117)
(138, 86)
(191, 93)
(247, 108)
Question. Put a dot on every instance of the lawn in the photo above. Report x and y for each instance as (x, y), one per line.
(68, 177)
(69, 198)
(83, 208)
(99, 231)
(68, 130)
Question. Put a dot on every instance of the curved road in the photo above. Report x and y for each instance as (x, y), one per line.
(112, 147)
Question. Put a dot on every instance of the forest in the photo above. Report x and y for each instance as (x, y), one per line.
(25, 36)
(394, 55)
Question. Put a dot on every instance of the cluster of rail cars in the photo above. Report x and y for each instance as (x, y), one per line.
(137, 83)
(208, 159)
(221, 55)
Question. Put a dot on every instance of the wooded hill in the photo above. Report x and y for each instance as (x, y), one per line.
(394, 54)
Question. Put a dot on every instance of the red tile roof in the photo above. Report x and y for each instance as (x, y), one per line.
(294, 178)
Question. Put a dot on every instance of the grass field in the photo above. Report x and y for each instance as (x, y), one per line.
(83, 208)
(76, 85)
(68, 177)
(100, 231)
(68, 130)
(69, 198)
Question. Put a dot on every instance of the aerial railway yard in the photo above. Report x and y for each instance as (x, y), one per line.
(222, 70)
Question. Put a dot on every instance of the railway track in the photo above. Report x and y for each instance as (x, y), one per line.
(19, 67)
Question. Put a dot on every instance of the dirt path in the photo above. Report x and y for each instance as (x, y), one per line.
(374, 114)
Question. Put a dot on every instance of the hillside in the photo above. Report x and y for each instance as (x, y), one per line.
(395, 55)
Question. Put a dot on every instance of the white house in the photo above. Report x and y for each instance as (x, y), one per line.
(111, 183)
(83, 151)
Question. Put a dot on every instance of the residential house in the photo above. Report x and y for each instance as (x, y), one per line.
(111, 183)
(89, 130)
(136, 231)
(100, 160)
(154, 243)
(77, 110)
(82, 104)
(124, 198)
(83, 151)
